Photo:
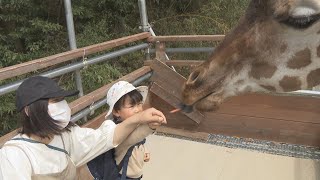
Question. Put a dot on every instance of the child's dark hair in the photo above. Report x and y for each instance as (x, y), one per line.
(134, 96)
(39, 122)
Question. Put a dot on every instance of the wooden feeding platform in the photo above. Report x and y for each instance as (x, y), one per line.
(281, 118)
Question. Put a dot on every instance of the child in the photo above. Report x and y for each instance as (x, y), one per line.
(124, 101)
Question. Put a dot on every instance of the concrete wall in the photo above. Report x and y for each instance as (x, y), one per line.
(177, 159)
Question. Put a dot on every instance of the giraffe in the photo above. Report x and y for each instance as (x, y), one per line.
(274, 48)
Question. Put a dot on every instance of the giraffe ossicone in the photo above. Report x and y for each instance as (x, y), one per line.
(275, 47)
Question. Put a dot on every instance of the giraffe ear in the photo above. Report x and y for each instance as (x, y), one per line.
(26, 110)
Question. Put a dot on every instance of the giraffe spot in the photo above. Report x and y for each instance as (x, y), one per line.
(319, 32)
(313, 78)
(318, 51)
(262, 70)
(300, 59)
(283, 48)
(269, 88)
(290, 83)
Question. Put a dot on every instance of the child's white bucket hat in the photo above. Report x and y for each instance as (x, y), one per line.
(118, 90)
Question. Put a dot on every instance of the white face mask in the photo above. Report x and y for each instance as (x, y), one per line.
(61, 112)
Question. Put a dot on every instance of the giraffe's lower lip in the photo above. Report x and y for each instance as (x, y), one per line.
(189, 107)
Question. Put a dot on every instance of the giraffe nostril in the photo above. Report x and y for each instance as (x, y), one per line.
(193, 77)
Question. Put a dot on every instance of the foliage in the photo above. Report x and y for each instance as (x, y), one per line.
(31, 29)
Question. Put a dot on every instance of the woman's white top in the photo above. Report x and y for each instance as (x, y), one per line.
(20, 159)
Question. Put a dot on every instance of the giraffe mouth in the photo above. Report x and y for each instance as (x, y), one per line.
(209, 102)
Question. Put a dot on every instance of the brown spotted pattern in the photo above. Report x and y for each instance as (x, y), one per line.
(318, 51)
(262, 70)
(313, 78)
(290, 83)
(300, 59)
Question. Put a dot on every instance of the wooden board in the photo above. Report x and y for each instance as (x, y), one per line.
(185, 38)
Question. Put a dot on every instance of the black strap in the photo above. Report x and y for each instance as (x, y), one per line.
(49, 146)
(124, 162)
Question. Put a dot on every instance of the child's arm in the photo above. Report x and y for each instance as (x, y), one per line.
(137, 135)
(128, 126)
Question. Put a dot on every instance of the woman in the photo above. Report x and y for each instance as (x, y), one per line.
(49, 146)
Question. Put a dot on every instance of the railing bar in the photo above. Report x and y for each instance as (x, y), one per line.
(186, 50)
(33, 65)
(78, 65)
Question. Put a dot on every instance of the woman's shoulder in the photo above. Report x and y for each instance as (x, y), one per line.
(14, 148)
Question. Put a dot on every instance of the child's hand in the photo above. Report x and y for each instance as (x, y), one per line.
(146, 157)
(154, 126)
(152, 115)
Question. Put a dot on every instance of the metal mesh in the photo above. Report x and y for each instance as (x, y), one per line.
(283, 149)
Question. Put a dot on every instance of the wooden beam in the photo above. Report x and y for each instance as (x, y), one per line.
(161, 51)
(173, 101)
(96, 122)
(282, 107)
(7, 137)
(191, 63)
(263, 128)
(37, 64)
(184, 133)
(186, 38)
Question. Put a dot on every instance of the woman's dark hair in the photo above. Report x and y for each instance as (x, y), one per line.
(135, 98)
(39, 122)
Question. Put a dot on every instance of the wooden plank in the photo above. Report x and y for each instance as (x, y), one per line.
(185, 133)
(96, 122)
(185, 38)
(173, 101)
(167, 78)
(5, 138)
(262, 128)
(275, 130)
(88, 99)
(290, 108)
(191, 63)
(37, 64)
(161, 51)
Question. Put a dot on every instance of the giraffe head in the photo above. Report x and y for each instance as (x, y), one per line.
(274, 47)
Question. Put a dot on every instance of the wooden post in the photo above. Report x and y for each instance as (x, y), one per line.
(160, 51)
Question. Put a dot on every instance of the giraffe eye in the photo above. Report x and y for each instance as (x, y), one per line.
(301, 22)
